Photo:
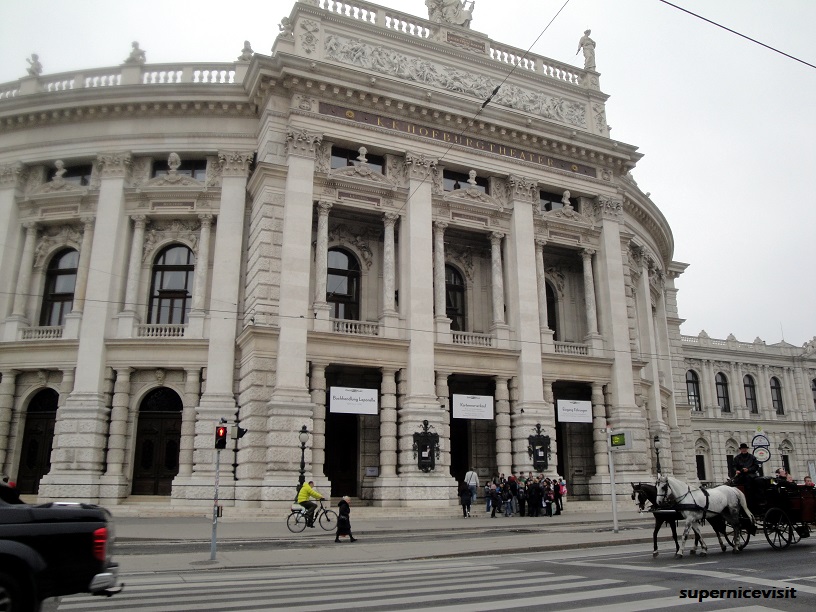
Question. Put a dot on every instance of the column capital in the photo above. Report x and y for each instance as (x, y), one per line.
(323, 207)
(587, 253)
(113, 165)
(302, 142)
(235, 163)
(390, 218)
(205, 218)
(440, 226)
(88, 221)
(540, 243)
(607, 208)
(10, 174)
(31, 225)
(522, 188)
(418, 165)
(496, 237)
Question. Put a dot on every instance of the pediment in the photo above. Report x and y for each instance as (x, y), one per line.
(361, 173)
(472, 196)
(173, 180)
(60, 186)
(568, 214)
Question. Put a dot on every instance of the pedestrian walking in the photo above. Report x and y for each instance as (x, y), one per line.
(472, 481)
(465, 498)
(495, 500)
(344, 520)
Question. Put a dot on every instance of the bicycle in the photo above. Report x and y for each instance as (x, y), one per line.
(326, 517)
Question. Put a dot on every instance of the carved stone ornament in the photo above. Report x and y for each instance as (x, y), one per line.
(343, 234)
(166, 231)
(54, 236)
(9, 175)
(450, 12)
(235, 163)
(419, 166)
(395, 169)
(473, 195)
(362, 171)
(462, 255)
(160, 376)
(607, 208)
(557, 277)
(286, 28)
(309, 36)
(600, 119)
(173, 178)
(388, 61)
(522, 188)
(113, 165)
(301, 142)
(809, 347)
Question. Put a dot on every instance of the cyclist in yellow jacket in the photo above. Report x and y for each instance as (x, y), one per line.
(307, 491)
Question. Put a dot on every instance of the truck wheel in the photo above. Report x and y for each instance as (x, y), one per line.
(12, 596)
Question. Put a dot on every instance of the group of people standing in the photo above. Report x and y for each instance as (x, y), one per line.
(517, 495)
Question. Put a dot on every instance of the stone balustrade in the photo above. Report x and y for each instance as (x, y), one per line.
(53, 332)
(571, 348)
(468, 339)
(355, 328)
(161, 331)
(758, 346)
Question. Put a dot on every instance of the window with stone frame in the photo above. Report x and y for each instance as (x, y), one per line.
(549, 201)
(701, 468)
(343, 284)
(341, 158)
(77, 174)
(60, 283)
(455, 299)
(194, 168)
(776, 395)
(452, 180)
(171, 286)
(723, 399)
(693, 390)
(749, 386)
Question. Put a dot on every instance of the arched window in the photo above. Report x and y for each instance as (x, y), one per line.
(750, 393)
(776, 395)
(343, 285)
(723, 401)
(172, 285)
(60, 280)
(552, 313)
(455, 298)
(693, 389)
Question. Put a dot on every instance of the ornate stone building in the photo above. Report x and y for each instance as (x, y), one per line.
(266, 240)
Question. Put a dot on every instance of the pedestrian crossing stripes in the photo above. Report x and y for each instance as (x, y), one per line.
(453, 586)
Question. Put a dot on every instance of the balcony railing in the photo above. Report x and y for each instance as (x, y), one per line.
(571, 348)
(42, 333)
(466, 339)
(355, 328)
(160, 331)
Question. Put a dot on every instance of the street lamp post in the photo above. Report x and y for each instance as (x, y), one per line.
(303, 436)
(657, 446)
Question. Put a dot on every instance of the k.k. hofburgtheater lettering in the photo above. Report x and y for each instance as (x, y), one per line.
(463, 140)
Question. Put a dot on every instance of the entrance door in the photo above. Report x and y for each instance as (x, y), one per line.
(341, 447)
(35, 456)
(157, 443)
(472, 442)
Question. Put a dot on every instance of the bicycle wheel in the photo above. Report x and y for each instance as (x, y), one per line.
(328, 520)
(296, 522)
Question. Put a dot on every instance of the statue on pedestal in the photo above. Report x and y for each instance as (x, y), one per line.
(137, 55)
(34, 65)
(587, 45)
(452, 12)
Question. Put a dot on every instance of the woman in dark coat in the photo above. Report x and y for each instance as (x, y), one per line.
(343, 520)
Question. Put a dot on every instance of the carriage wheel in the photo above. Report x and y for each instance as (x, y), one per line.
(778, 528)
(739, 533)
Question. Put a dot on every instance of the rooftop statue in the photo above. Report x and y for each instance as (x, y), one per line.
(285, 26)
(452, 12)
(137, 55)
(34, 65)
(587, 45)
(246, 52)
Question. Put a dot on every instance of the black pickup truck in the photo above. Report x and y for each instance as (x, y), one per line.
(53, 549)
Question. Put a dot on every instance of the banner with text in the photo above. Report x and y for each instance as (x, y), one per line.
(574, 411)
(473, 407)
(353, 401)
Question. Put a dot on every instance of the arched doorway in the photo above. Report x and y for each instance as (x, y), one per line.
(157, 443)
(38, 436)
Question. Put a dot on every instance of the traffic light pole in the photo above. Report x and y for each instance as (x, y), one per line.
(215, 505)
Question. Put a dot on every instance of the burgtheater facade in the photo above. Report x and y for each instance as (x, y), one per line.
(343, 236)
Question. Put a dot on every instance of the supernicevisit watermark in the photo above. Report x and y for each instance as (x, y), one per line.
(740, 593)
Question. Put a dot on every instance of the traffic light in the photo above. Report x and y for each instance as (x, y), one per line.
(220, 436)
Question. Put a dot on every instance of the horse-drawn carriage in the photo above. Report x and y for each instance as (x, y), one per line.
(782, 510)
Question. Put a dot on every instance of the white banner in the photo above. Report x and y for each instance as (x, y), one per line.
(574, 411)
(473, 407)
(353, 401)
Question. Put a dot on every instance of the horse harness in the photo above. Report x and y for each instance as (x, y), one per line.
(693, 506)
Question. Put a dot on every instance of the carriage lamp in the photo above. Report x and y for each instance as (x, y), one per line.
(303, 436)
(657, 446)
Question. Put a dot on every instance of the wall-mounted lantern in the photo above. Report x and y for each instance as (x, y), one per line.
(539, 449)
(426, 447)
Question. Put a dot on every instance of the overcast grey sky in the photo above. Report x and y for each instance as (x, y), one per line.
(727, 127)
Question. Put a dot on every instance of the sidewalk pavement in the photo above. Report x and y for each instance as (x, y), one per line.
(267, 542)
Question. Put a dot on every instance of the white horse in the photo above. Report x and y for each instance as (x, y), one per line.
(696, 504)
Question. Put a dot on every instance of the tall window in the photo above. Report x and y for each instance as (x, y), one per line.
(343, 285)
(455, 298)
(776, 395)
(60, 280)
(750, 393)
(552, 313)
(813, 391)
(723, 401)
(693, 390)
(701, 470)
(172, 285)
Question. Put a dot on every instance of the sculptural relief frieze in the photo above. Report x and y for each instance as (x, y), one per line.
(54, 236)
(344, 234)
(391, 62)
(160, 232)
(309, 35)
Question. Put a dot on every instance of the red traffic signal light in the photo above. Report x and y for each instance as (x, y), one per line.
(220, 437)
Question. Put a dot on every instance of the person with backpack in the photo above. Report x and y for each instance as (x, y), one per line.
(522, 498)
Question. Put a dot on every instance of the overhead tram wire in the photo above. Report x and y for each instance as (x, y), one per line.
(727, 29)
(489, 98)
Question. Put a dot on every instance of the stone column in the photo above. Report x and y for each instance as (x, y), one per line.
(195, 320)
(78, 455)
(648, 342)
(317, 384)
(114, 485)
(322, 309)
(388, 424)
(24, 274)
(291, 406)
(10, 240)
(441, 320)
(192, 395)
(7, 391)
(389, 318)
(504, 455)
(589, 293)
(599, 431)
(547, 334)
(128, 318)
(73, 318)
(497, 277)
